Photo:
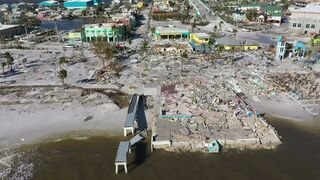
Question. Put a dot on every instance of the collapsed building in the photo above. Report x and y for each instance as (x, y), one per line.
(290, 49)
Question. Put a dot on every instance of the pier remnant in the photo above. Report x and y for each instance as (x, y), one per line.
(121, 158)
(132, 110)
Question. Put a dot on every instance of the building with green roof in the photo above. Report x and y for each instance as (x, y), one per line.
(274, 13)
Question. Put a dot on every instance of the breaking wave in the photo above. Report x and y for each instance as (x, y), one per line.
(15, 165)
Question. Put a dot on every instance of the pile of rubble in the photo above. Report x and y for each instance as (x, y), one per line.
(207, 110)
(304, 85)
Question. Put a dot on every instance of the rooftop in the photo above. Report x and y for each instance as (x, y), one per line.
(3, 27)
(202, 35)
(49, 3)
(311, 8)
(237, 11)
(233, 42)
(104, 25)
(78, 0)
(170, 29)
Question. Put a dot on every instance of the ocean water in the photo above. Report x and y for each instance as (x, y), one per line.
(64, 24)
(297, 158)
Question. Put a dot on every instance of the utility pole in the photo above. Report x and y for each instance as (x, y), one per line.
(25, 29)
(57, 31)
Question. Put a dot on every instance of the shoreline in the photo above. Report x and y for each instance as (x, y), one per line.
(66, 118)
(35, 114)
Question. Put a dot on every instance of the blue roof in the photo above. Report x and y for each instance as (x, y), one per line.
(78, 3)
(49, 3)
(279, 38)
(300, 45)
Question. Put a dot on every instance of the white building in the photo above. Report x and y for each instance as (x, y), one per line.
(9, 31)
(306, 20)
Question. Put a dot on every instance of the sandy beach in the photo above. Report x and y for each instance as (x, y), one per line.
(28, 116)
(283, 107)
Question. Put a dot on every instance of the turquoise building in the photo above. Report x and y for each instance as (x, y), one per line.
(106, 31)
(97, 2)
(80, 4)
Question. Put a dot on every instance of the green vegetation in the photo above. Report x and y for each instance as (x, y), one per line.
(63, 75)
(9, 60)
(3, 64)
(62, 60)
(104, 51)
(251, 14)
(165, 16)
(184, 55)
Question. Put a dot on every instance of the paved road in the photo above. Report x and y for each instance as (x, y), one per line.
(262, 38)
(211, 17)
(141, 31)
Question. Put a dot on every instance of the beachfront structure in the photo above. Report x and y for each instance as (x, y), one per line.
(227, 43)
(171, 33)
(9, 31)
(78, 4)
(125, 18)
(175, 47)
(106, 31)
(14, 17)
(4, 7)
(200, 42)
(274, 13)
(306, 20)
(199, 38)
(76, 37)
(289, 49)
(49, 3)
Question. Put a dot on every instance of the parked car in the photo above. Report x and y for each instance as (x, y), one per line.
(68, 46)
(245, 30)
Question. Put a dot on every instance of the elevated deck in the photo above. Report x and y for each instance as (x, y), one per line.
(137, 138)
(132, 111)
(121, 158)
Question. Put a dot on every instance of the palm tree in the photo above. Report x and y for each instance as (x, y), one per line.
(220, 25)
(62, 60)
(9, 60)
(130, 41)
(144, 47)
(98, 49)
(63, 75)
(3, 42)
(215, 28)
(242, 44)
(193, 25)
(113, 27)
(109, 53)
(211, 41)
(3, 64)
(234, 32)
(309, 54)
